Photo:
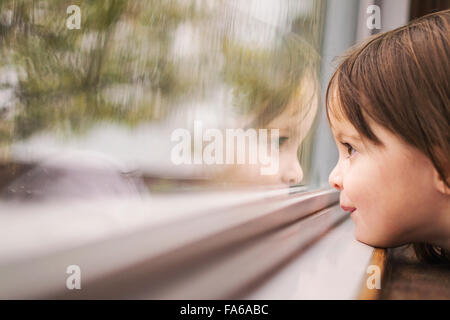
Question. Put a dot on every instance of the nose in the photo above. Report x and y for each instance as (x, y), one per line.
(293, 173)
(335, 178)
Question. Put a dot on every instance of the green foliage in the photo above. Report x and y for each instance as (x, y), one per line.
(119, 66)
(67, 76)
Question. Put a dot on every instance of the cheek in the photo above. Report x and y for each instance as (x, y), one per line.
(362, 184)
(392, 199)
(367, 186)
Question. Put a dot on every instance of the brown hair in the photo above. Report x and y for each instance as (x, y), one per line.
(400, 80)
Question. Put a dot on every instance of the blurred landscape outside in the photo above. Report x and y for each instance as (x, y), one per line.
(93, 110)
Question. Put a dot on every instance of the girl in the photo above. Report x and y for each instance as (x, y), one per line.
(388, 108)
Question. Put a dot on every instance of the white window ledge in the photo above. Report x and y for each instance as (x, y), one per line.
(192, 247)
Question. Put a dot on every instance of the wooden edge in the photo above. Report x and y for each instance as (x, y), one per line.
(379, 258)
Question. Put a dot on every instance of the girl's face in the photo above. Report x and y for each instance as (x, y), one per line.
(390, 190)
(293, 124)
(291, 133)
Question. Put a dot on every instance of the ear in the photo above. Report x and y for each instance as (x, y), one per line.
(440, 184)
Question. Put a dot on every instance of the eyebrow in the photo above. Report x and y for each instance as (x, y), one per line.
(339, 135)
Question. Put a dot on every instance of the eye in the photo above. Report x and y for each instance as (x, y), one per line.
(349, 147)
(282, 140)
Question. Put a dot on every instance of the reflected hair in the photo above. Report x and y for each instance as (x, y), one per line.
(400, 80)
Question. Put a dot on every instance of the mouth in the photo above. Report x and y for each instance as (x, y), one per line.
(348, 209)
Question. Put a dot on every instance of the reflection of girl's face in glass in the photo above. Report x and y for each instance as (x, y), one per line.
(292, 133)
(290, 171)
(293, 125)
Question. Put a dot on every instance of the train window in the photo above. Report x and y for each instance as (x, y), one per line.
(157, 96)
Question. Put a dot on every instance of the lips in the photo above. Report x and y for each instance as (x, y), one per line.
(348, 209)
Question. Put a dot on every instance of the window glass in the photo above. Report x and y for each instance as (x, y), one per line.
(140, 97)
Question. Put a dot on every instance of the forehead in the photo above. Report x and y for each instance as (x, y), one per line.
(338, 121)
(334, 108)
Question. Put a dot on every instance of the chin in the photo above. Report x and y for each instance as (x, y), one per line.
(367, 236)
(366, 233)
(376, 240)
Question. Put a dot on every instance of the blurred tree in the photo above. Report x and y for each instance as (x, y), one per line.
(116, 67)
